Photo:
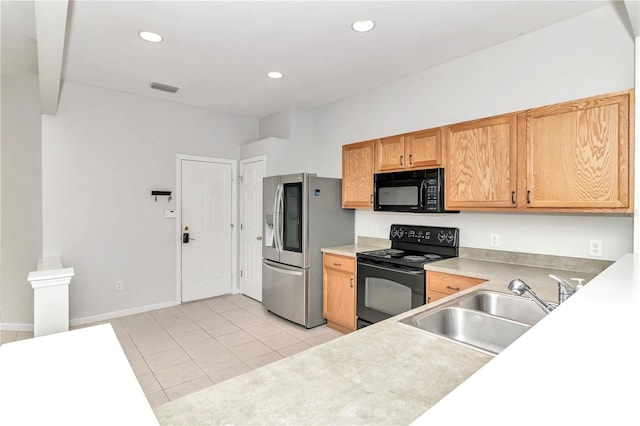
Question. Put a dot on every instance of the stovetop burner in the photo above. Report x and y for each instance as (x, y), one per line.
(413, 246)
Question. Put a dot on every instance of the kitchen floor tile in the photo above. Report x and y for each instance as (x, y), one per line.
(139, 366)
(203, 348)
(181, 349)
(294, 349)
(220, 305)
(251, 350)
(159, 360)
(8, 336)
(279, 340)
(222, 361)
(21, 335)
(149, 383)
(229, 373)
(235, 339)
(157, 398)
(320, 339)
(186, 388)
(235, 314)
(248, 321)
(262, 330)
(264, 360)
(178, 374)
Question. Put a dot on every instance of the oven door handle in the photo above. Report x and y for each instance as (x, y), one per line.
(370, 265)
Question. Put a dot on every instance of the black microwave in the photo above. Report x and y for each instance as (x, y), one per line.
(419, 191)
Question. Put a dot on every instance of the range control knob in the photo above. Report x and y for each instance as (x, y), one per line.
(441, 236)
(450, 237)
(400, 232)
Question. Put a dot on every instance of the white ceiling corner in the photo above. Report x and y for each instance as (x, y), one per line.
(633, 10)
(51, 24)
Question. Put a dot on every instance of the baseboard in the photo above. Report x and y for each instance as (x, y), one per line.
(15, 326)
(122, 313)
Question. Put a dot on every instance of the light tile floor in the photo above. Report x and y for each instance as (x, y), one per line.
(182, 349)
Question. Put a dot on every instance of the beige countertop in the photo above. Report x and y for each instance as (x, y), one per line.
(386, 373)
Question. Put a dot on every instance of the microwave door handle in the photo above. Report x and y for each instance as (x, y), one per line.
(423, 187)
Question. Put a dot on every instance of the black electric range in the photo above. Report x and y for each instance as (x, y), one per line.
(391, 281)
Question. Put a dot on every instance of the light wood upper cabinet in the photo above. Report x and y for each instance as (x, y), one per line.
(481, 163)
(577, 154)
(390, 153)
(424, 148)
(357, 175)
(417, 150)
(339, 291)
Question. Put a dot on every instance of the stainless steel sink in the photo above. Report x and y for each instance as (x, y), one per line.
(478, 330)
(503, 305)
(484, 320)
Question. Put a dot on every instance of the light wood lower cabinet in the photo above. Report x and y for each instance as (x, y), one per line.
(339, 292)
(440, 285)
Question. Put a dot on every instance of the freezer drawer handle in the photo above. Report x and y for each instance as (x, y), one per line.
(283, 271)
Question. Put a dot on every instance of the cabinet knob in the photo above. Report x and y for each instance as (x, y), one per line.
(411, 159)
(401, 160)
(513, 197)
(528, 197)
(351, 283)
(453, 288)
(337, 264)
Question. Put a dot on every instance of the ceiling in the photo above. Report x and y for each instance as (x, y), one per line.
(218, 52)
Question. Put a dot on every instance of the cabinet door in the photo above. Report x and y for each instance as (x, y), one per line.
(357, 175)
(390, 154)
(423, 149)
(339, 292)
(440, 284)
(578, 154)
(481, 163)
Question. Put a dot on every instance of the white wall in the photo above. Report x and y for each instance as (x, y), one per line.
(21, 192)
(588, 55)
(103, 153)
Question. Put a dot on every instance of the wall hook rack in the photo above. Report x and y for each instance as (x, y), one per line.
(162, 194)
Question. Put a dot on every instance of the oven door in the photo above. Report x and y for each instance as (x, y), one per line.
(385, 291)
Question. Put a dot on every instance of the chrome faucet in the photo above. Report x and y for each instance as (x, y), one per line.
(519, 287)
(565, 290)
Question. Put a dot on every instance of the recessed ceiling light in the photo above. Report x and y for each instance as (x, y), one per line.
(275, 74)
(363, 26)
(149, 36)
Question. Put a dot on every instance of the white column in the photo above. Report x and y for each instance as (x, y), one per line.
(50, 283)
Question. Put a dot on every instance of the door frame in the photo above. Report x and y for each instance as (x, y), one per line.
(234, 218)
(243, 162)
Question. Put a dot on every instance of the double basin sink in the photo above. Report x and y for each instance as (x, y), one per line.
(484, 320)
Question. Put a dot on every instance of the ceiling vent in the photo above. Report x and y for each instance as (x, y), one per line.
(164, 87)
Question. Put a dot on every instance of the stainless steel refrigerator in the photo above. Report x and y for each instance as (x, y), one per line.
(302, 214)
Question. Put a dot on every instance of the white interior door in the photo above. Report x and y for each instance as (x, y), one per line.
(251, 171)
(207, 229)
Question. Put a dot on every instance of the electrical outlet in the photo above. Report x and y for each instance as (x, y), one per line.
(595, 248)
(119, 285)
(495, 240)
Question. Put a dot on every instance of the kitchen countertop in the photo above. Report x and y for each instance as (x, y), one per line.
(388, 373)
(579, 365)
(79, 377)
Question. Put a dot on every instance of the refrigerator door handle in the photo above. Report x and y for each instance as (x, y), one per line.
(280, 203)
(276, 214)
(283, 271)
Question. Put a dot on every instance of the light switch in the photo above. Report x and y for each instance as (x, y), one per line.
(169, 214)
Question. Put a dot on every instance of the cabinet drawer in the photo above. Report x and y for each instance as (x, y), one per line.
(341, 263)
(449, 283)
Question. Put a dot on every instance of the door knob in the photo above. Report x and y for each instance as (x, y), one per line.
(259, 238)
